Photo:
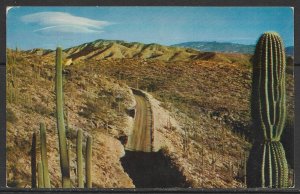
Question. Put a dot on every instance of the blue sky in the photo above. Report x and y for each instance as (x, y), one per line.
(48, 27)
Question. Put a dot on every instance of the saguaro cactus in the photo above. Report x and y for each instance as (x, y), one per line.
(44, 158)
(79, 159)
(64, 161)
(267, 164)
(88, 162)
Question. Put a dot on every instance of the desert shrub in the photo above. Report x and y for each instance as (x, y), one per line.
(82, 84)
(9, 59)
(71, 134)
(41, 109)
(91, 107)
(12, 183)
(11, 116)
(114, 105)
(152, 87)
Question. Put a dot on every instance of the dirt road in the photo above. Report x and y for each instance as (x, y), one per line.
(140, 139)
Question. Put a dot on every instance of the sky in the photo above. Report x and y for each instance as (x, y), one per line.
(49, 27)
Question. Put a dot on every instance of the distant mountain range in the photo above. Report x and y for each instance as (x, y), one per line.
(225, 47)
(117, 49)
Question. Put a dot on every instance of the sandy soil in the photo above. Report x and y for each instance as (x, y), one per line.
(140, 139)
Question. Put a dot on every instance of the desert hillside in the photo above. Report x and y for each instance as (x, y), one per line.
(116, 49)
(200, 104)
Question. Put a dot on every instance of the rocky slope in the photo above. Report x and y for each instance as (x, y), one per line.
(90, 105)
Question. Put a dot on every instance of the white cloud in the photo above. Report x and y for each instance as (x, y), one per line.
(64, 23)
(67, 29)
(10, 8)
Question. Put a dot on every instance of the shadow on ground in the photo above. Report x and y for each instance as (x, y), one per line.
(152, 170)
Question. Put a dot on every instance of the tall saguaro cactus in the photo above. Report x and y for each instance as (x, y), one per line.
(64, 161)
(267, 165)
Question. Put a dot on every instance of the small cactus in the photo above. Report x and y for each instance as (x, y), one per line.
(79, 159)
(44, 156)
(267, 164)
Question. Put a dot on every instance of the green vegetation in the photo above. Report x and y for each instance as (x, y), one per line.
(42, 165)
(44, 159)
(88, 164)
(79, 159)
(11, 116)
(64, 161)
(33, 160)
(40, 176)
(267, 163)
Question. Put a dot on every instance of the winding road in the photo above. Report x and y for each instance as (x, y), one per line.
(140, 139)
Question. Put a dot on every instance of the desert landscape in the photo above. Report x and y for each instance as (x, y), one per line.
(192, 126)
(150, 97)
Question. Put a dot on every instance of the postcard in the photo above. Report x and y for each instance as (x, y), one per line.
(150, 97)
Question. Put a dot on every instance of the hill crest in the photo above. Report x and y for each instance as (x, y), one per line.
(118, 49)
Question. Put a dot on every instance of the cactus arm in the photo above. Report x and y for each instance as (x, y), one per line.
(44, 158)
(64, 162)
(256, 105)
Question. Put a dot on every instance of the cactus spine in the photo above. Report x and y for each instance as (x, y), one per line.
(79, 159)
(88, 166)
(64, 162)
(44, 156)
(267, 164)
